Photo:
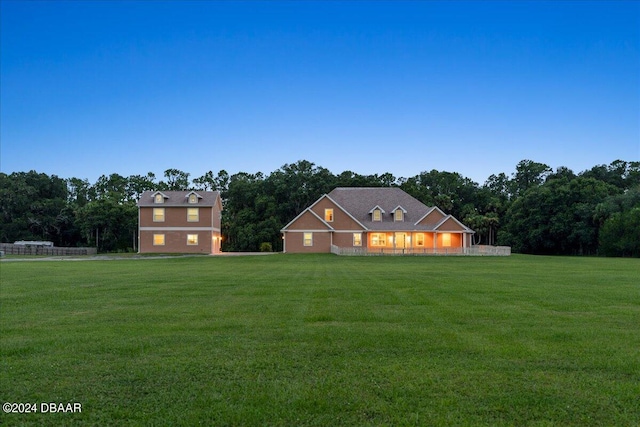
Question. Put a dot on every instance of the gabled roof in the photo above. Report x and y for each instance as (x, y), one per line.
(308, 211)
(179, 198)
(193, 192)
(359, 202)
(433, 209)
(454, 219)
(159, 192)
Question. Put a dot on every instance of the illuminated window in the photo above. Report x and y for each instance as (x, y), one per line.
(192, 239)
(328, 215)
(307, 239)
(357, 239)
(377, 215)
(158, 240)
(399, 215)
(446, 239)
(158, 214)
(193, 198)
(159, 198)
(193, 214)
(420, 239)
(378, 239)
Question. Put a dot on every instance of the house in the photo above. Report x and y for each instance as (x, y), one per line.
(374, 220)
(179, 222)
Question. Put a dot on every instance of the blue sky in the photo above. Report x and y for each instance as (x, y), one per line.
(91, 88)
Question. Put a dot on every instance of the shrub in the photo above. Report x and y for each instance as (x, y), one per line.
(266, 247)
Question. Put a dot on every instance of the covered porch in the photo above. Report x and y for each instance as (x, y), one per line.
(417, 241)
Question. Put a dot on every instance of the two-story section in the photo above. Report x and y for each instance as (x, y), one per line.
(179, 222)
(374, 221)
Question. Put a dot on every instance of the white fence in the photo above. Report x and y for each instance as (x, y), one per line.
(478, 250)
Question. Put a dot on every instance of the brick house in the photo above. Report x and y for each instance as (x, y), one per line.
(374, 220)
(179, 222)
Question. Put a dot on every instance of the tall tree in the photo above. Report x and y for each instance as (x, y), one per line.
(620, 234)
(450, 191)
(529, 174)
(108, 225)
(177, 180)
(33, 206)
(556, 217)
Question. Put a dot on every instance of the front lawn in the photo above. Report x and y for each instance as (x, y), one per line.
(323, 340)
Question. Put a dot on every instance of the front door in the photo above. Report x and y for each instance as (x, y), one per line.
(401, 240)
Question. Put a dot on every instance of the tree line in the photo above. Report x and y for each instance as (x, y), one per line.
(534, 210)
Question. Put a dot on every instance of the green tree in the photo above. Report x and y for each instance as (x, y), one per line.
(33, 207)
(137, 184)
(620, 234)
(529, 174)
(108, 225)
(450, 191)
(556, 217)
(177, 180)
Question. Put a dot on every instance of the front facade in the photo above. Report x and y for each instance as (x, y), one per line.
(179, 222)
(374, 220)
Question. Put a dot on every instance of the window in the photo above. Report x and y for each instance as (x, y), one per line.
(193, 198)
(158, 198)
(158, 240)
(378, 239)
(158, 214)
(193, 214)
(192, 239)
(420, 239)
(398, 215)
(328, 215)
(446, 239)
(357, 239)
(377, 215)
(307, 239)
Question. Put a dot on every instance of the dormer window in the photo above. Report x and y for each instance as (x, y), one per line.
(158, 198)
(193, 198)
(398, 214)
(376, 213)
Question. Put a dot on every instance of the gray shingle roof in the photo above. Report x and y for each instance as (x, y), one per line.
(359, 201)
(179, 198)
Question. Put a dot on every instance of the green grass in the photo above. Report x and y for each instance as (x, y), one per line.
(324, 340)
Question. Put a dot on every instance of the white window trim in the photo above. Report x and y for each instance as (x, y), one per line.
(197, 215)
(163, 240)
(359, 239)
(163, 215)
(189, 237)
(326, 211)
(379, 245)
(304, 239)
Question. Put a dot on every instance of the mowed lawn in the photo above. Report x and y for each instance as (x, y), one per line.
(297, 340)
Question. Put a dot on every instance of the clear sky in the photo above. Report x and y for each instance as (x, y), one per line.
(100, 87)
